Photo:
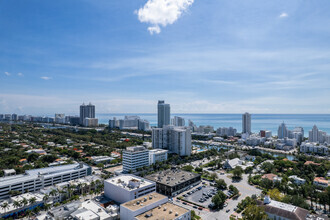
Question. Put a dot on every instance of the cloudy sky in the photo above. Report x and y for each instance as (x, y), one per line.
(201, 56)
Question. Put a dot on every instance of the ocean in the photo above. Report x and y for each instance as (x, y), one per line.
(259, 121)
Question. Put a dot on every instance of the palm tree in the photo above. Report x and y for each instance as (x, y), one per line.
(92, 184)
(53, 192)
(32, 200)
(45, 198)
(4, 206)
(24, 202)
(80, 187)
(46, 207)
(16, 204)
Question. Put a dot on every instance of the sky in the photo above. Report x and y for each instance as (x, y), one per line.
(201, 56)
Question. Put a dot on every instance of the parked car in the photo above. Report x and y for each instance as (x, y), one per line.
(200, 208)
(228, 210)
(184, 203)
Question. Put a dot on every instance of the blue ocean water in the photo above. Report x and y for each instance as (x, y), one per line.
(259, 121)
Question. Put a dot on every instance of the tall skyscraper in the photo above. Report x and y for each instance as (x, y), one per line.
(246, 123)
(175, 139)
(164, 113)
(178, 121)
(282, 131)
(86, 111)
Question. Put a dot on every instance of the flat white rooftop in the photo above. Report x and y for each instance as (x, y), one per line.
(47, 172)
(283, 206)
(129, 182)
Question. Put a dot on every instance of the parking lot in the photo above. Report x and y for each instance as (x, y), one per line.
(202, 197)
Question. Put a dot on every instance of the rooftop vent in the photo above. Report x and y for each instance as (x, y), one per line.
(164, 209)
(176, 214)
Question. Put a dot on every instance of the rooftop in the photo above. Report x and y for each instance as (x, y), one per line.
(269, 176)
(136, 148)
(166, 211)
(48, 171)
(172, 177)
(143, 201)
(129, 182)
(284, 210)
(321, 180)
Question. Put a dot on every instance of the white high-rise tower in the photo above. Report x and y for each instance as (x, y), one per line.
(246, 123)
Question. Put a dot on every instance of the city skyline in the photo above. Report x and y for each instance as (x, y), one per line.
(265, 57)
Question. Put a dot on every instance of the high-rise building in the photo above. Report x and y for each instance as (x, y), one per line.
(316, 135)
(178, 121)
(246, 123)
(157, 155)
(226, 131)
(91, 122)
(282, 131)
(129, 122)
(175, 139)
(60, 118)
(14, 117)
(164, 113)
(86, 111)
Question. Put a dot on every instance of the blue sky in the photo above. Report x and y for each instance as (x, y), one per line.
(201, 56)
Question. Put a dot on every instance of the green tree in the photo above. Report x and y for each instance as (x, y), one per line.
(4, 206)
(253, 212)
(219, 199)
(32, 200)
(237, 172)
(234, 190)
(213, 176)
(188, 168)
(221, 184)
(194, 216)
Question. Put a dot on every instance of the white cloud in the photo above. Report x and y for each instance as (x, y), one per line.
(162, 13)
(19, 74)
(46, 78)
(155, 29)
(7, 74)
(283, 15)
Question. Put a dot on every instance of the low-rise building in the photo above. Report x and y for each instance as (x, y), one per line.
(231, 164)
(101, 159)
(127, 187)
(36, 179)
(312, 147)
(167, 211)
(174, 181)
(25, 199)
(296, 180)
(140, 205)
(272, 177)
(279, 210)
(80, 210)
(311, 163)
(321, 182)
